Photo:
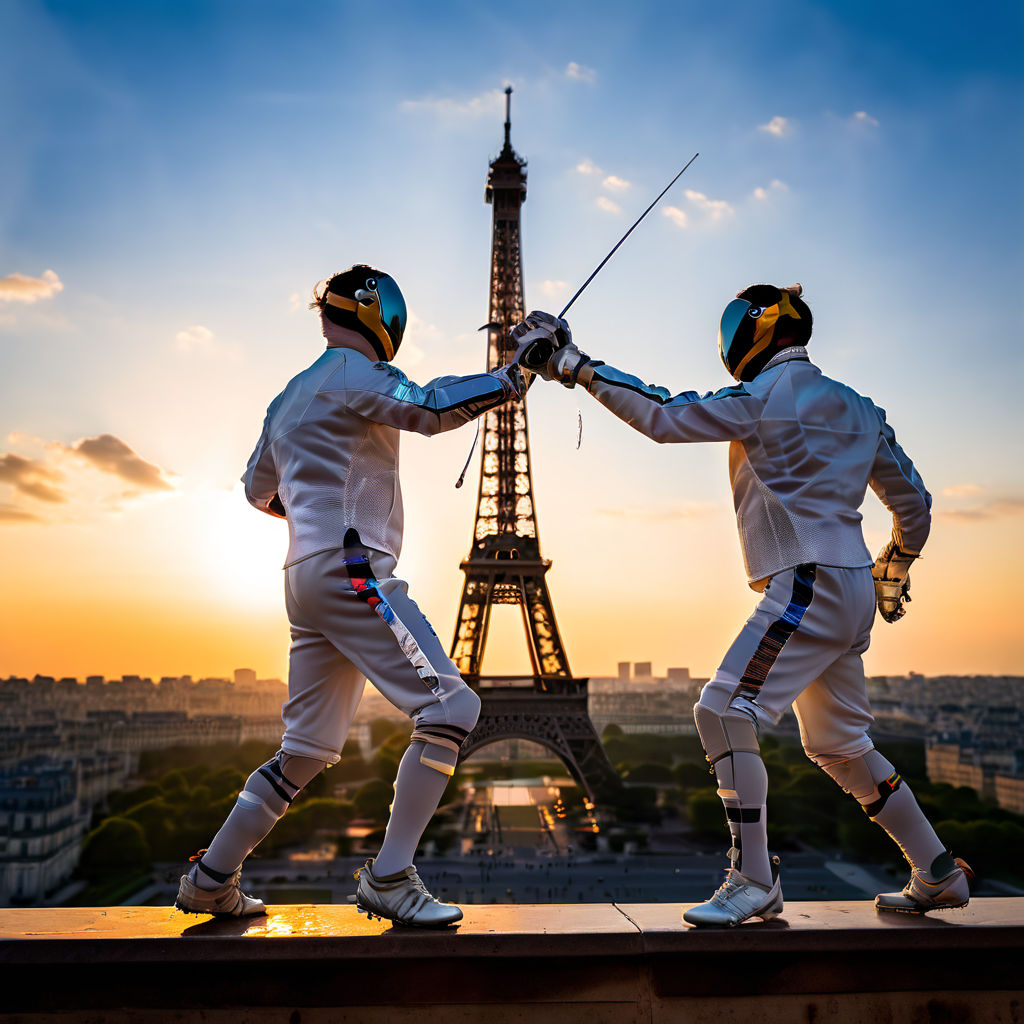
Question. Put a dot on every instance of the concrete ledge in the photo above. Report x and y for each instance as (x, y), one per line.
(836, 962)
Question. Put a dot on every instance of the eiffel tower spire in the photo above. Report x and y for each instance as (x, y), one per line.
(504, 565)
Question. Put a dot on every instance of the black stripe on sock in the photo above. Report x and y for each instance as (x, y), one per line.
(217, 876)
(885, 790)
(447, 732)
(275, 767)
(744, 815)
(279, 790)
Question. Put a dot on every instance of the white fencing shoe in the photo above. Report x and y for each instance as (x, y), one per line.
(227, 901)
(738, 899)
(919, 896)
(402, 898)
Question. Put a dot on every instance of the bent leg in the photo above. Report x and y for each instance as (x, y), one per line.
(324, 688)
(267, 794)
(371, 619)
(783, 645)
(834, 715)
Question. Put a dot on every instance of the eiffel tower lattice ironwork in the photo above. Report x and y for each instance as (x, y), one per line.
(504, 565)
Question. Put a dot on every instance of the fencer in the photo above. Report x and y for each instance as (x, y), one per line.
(327, 462)
(803, 450)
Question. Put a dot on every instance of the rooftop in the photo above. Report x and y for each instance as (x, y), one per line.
(834, 961)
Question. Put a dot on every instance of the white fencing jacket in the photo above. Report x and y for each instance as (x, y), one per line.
(327, 459)
(803, 450)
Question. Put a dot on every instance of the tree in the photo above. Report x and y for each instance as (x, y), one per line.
(373, 799)
(704, 808)
(651, 772)
(382, 729)
(117, 847)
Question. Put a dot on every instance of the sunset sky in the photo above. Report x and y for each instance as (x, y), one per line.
(176, 177)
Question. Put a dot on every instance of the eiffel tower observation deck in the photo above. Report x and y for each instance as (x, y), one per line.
(505, 565)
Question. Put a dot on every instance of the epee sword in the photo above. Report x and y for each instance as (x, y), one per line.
(579, 292)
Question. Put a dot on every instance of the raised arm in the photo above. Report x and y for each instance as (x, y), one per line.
(382, 393)
(546, 348)
(727, 415)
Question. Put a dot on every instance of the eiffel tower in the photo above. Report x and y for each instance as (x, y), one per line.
(504, 565)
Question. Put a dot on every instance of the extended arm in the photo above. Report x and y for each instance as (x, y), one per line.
(382, 393)
(546, 348)
(727, 415)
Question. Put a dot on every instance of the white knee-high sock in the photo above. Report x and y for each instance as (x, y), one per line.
(418, 790)
(901, 816)
(889, 802)
(267, 794)
(743, 787)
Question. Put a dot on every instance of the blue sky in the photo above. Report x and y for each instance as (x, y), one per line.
(186, 171)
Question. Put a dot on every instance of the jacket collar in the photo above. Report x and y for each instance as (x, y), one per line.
(791, 352)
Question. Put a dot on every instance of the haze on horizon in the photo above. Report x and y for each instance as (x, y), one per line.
(176, 179)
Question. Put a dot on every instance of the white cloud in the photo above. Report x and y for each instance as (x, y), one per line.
(863, 117)
(194, 339)
(674, 214)
(489, 103)
(587, 166)
(552, 289)
(714, 208)
(580, 73)
(22, 288)
(615, 184)
(63, 477)
(960, 490)
(999, 508)
(112, 455)
(297, 302)
(775, 187)
(777, 126)
(607, 205)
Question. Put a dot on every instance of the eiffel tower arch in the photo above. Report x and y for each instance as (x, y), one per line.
(504, 565)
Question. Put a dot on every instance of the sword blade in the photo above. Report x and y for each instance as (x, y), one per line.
(625, 236)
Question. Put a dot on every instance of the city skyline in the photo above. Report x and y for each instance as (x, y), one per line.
(158, 251)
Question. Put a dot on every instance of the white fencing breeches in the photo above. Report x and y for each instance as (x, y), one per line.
(345, 630)
(802, 646)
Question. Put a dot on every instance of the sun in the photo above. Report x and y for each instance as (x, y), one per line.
(240, 551)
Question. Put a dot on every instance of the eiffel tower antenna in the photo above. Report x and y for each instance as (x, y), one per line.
(504, 565)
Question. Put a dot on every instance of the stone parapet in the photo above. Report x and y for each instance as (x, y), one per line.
(593, 963)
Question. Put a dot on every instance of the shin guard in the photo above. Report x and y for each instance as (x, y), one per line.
(441, 746)
(730, 743)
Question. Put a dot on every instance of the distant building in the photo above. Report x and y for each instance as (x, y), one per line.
(624, 671)
(995, 774)
(642, 670)
(245, 677)
(678, 676)
(41, 828)
(1010, 793)
(951, 764)
(645, 705)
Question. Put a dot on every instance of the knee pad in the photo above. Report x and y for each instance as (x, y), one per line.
(724, 733)
(277, 783)
(869, 779)
(442, 740)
